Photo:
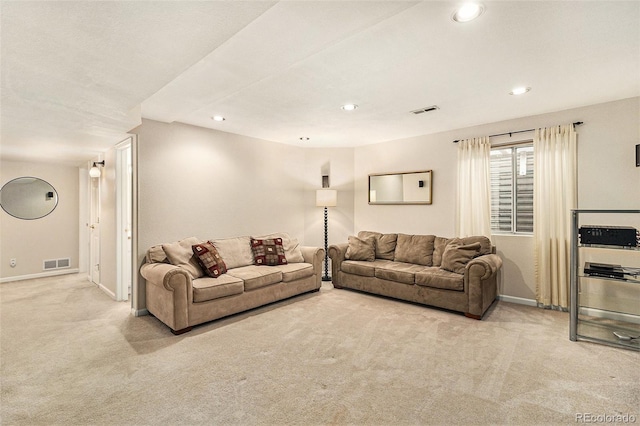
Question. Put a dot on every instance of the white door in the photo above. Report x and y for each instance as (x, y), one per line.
(124, 191)
(94, 232)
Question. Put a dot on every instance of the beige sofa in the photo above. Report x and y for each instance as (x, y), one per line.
(455, 274)
(181, 293)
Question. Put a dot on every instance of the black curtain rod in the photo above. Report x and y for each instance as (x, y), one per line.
(577, 123)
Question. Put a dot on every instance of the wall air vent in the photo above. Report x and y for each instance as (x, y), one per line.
(56, 264)
(426, 109)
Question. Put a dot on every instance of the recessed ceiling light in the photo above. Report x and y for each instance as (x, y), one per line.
(519, 90)
(218, 118)
(467, 12)
(349, 107)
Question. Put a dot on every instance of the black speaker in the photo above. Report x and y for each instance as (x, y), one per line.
(638, 155)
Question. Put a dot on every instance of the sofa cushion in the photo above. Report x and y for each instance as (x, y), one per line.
(439, 245)
(295, 271)
(269, 252)
(361, 249)
(439, 278)
(235, 252)
(256, 276)
(385, 243)
(209, 259)
(180, 254)
(358, 267)
(207, 288)
(399, 272)
(456, 256)
(417, 249)
(291, 246)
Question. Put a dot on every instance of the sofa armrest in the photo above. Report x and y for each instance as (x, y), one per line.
(485, 266)
(314, 256)
(481, 281)
(337, 254)
(161, 274)
(169, 292)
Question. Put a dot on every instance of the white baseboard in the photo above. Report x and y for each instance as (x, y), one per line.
(39, 275)
(139, 312)
(106, 290)
(518, 300)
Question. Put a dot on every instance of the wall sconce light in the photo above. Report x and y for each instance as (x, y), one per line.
(94, 171)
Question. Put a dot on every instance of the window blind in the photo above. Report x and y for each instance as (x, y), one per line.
(512, 189)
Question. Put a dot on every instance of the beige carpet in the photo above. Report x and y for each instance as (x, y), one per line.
(72, 356)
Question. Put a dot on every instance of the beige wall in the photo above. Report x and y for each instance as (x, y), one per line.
(209, 184)
(54, 236)
(430, 152)
(607, 178)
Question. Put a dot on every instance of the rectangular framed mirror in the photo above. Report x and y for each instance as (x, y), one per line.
(400, 188)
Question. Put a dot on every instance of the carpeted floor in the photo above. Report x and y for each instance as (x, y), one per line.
(72, 356)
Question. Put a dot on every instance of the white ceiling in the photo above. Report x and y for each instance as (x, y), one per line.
(76, 76)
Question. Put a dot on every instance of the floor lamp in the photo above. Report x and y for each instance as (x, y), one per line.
(326, 198)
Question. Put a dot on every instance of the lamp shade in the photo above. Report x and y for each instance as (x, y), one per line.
(326, 197)
(94, 172)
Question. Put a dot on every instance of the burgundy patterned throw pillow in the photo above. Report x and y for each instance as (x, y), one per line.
(209, 259)
(268, 252)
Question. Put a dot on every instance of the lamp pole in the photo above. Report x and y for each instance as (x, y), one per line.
(326, 276)
(326, 198)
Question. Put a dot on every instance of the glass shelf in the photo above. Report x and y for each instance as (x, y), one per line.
(621, 305)
(600, 330)
(603, 246)
(632, 279)
(601, 306)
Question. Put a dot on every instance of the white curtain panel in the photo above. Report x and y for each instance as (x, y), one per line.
(474, 188)
(554, 196)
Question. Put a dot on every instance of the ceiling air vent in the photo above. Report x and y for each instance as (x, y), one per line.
(426, 109)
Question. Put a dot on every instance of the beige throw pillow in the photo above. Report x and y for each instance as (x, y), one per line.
(235, 252)
(485, 243)
(456, 256)
(439, 245)
(180, 254)
(156, 254)
(385, 243)
(361, 249)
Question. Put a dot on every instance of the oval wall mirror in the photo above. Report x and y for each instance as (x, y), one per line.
(28, 198)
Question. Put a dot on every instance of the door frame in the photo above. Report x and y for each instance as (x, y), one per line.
(124, 203)
(93, 228)
(126, 243)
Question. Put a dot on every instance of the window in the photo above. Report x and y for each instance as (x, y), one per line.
(512, 189)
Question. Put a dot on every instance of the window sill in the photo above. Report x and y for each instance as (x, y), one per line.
(512, 234)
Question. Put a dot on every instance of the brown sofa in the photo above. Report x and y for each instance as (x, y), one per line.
(181, 294)
(458, 274)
